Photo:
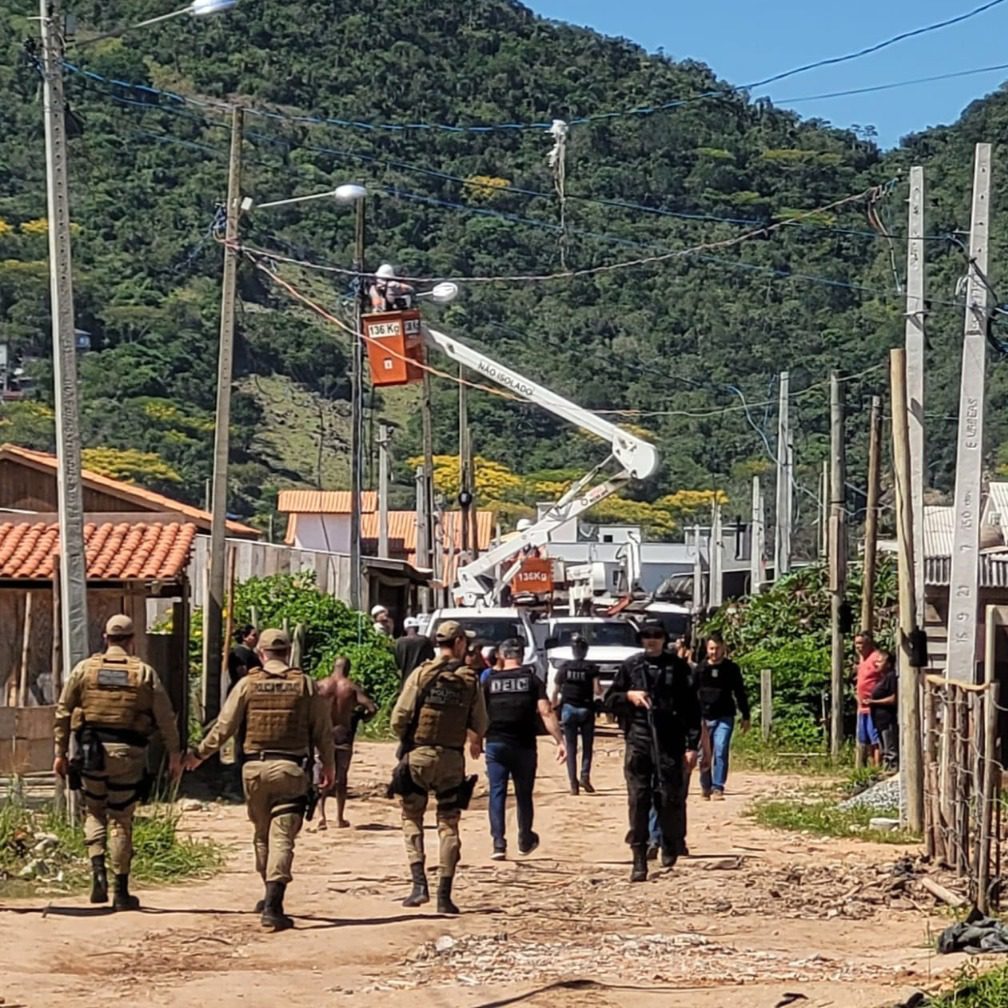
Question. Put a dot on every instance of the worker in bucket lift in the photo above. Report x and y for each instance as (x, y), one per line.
(528, 550)
(389, 294)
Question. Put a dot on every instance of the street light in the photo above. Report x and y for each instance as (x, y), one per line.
(73, 610)
(349, 192)
(198, 8)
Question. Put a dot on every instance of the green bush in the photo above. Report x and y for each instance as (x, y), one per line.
(331, 630)
(787, 629)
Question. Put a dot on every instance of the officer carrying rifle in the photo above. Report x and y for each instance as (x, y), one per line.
(114, 702)
(657, 708)
(285, 720)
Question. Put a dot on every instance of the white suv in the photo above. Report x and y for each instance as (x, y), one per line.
(494, 626)
(610, 643)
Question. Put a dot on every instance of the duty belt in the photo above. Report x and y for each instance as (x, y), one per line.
(267, 754)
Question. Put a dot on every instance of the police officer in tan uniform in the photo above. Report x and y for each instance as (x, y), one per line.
(114, 702)
(285, 719)
(441, 705)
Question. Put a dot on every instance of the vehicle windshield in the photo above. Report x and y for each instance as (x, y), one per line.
(614, 634)
(494, 630)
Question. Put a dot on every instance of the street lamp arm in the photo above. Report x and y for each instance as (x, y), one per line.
(198, 8)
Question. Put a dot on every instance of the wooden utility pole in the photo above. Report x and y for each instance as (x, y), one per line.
(871, 516)
(964, 577)
(757, 540)
(213, 643)
(909, 712)
(837, 560)
(916, 320)
(785, 464)
(383, 490)
(426, 515)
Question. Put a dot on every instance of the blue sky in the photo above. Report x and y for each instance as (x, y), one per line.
(744, 42)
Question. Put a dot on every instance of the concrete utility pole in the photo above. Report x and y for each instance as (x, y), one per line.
(824, 510)
(757, 540)
(383, 490)
(785, 466)
(698, 585)
(464, 463)
(423, 533)
(213, 642)
(871, 516)
(964, 578)
(716, 567)
(909, 712)
(69, 491)
(426, 559)
(837, 559)
(916, 320)
(357, 411)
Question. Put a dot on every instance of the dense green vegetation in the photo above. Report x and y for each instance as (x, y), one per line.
(787, 629)
(682, 340)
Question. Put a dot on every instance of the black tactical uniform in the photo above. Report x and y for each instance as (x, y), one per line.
(656, 742)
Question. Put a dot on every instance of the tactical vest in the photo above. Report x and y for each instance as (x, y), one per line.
(115, 694)
(578, 686)
(277, 712)
(512, 700)
(444, 716)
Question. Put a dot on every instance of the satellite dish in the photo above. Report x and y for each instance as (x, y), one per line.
(444, 293)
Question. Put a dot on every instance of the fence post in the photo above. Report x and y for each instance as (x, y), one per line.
(766, 702)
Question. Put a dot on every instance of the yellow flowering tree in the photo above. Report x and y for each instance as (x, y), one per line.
(131, 466)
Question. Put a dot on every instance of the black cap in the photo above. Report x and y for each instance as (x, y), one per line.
(651, 627)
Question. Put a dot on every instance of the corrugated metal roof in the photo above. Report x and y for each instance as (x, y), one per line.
(996, 509)
(323, 501)
(938, 524)
(116, 551)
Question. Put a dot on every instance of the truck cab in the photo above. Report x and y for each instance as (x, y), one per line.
(610, 642)
(496, 625)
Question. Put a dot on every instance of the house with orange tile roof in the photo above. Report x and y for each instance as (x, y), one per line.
(320, 520)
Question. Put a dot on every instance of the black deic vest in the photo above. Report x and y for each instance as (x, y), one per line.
(512, 696)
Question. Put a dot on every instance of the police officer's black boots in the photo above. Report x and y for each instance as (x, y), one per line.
(99, 880)
(273, 916)
(586, 784)
(444, 900)
(639, 871)
(421, 891)
(122, 900)
(668, 857)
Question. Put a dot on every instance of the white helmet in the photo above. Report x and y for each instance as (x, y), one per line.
(411, 623)
(385, 272)
(523, 524)
(378, 610)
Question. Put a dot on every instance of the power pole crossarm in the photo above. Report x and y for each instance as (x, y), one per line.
(213, 643)
(73, 611)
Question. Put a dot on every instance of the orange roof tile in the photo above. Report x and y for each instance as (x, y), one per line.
(126, 491)
(323, 501)
(116, 551)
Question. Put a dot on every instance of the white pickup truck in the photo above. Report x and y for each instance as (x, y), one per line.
(610, 643)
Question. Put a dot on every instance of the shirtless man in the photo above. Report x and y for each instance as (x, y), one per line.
(345, 697)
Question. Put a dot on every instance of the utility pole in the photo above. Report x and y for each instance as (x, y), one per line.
(357, 411)
(837, 560)
(465, 485)
(916, 320)
(422, 533)
(698, 592)
(908, 700)
(964, 577)
(716, 551)
(757, 540)
(427, 434)
(69, 491)
(871, 516)
(383, 490)
(213, 641)
(824, 510)
(785, 464)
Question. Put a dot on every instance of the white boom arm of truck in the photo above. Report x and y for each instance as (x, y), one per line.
(632, 457)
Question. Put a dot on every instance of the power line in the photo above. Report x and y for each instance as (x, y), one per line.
(310, 119)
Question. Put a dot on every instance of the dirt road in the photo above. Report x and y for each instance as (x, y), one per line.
(752, 916)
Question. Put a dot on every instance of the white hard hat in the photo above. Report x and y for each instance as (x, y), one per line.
(378, 610)
(523, 524)
(410, 622)
(385, 272)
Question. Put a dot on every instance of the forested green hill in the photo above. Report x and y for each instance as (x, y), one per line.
(685, 340)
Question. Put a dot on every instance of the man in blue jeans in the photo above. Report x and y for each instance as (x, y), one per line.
(722, 694)
(577, 686)
(515, 700)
